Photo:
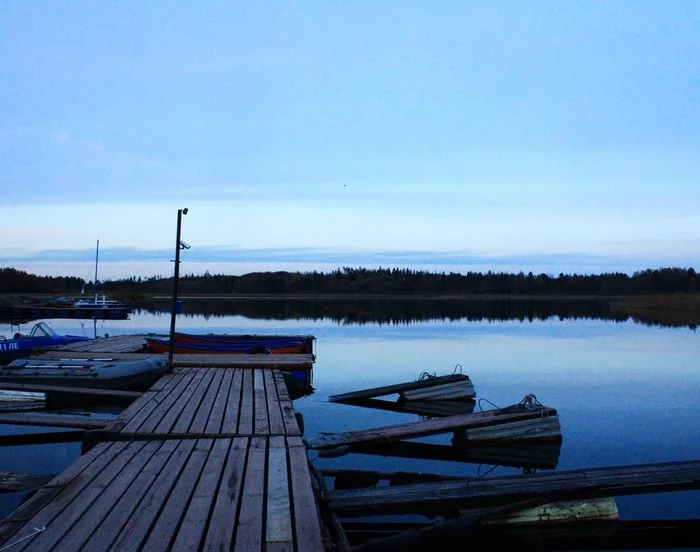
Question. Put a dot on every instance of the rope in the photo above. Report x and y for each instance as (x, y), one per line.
(426, 375)
(486, 400)
(37, 530)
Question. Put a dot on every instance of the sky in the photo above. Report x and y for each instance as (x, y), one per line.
(544, 136)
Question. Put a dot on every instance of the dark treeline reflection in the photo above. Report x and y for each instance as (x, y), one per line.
(395, 311)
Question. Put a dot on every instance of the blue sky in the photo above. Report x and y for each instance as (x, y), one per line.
(547, 136)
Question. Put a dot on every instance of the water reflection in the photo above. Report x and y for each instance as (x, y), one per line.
(366, 310)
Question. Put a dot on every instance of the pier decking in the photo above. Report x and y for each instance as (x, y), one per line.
(210, 458)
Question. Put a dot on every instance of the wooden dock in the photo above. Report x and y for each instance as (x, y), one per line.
(210, 458)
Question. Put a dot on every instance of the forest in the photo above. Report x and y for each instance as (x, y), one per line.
(381, 281)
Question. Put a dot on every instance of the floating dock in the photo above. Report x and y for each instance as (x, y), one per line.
(208, 458)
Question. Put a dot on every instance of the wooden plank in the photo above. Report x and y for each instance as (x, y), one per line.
(288, 361)
(76, 496)
(249, 533)
(397, 388)
(194, 524)
(163, 532)
(245, 415)
(261, 423)
(201, 417)
(306, 519)
(141, 409)
(233, 404)
(149, 418)
(188, 413)
(71, 390)
(181, 407)
(221, 530)
(136, 530)
(216, 416)
(435, 426)
(73, 527)
(125, 507)
(53, 421)
(278, 528)
(291, 427)
(484, 492)
(273, 404)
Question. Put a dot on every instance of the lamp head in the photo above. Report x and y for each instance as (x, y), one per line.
(184, 211)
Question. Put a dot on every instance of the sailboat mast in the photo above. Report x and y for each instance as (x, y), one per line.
(97, 254)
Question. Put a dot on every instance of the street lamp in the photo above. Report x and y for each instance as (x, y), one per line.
(179, 244)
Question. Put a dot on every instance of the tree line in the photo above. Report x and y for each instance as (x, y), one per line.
(380, 281)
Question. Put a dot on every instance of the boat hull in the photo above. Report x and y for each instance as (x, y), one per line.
(102, 374)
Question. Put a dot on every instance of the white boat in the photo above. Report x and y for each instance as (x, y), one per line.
(97, 373)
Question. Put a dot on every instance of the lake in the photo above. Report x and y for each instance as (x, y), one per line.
(626, 392)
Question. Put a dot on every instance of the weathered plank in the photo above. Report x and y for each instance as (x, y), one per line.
(194, 522)
(133, 534)
(245, 415)
(398, 388)
(73, 528)
(233, 404)
(263, 361)
(53, 421)
(278, 528)
(68, 390)
(261, 423)
(436, 426)
(162, 533)
(218, 409)
(125, 506)
(250, 519)
(206, 406)
(180, 409)
(191, 406)
(273, 404)
(560, 485)
(221, 530)
(306, 518)
(291, 427)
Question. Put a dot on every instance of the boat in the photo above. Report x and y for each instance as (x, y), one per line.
(98, 302)
(249, 345)
(40, 336)
(97, 373)
(218, 339)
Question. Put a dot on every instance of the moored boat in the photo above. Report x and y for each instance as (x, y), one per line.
(100, 374)
(223, 339)
(40, 336)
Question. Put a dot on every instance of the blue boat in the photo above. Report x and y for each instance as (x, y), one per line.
(41, 336)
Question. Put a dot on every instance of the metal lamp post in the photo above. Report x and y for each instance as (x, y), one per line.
(179, 244)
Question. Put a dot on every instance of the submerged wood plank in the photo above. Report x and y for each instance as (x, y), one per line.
(53, 421)
(436, 426)
(71, 390)
(14, 482)
(278, 528)
(560, 485)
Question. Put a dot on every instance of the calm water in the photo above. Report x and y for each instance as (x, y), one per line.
(626, 393)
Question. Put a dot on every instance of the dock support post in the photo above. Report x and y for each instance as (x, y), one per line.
(179, 244)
